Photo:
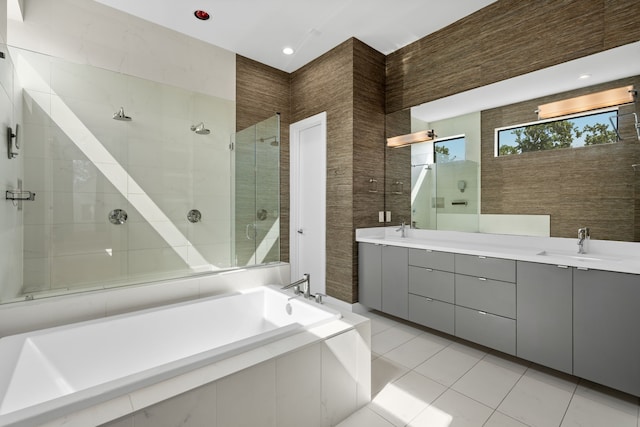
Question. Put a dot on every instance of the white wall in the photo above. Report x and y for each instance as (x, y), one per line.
(10, 171)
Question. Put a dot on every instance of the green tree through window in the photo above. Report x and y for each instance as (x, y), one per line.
(591, 129)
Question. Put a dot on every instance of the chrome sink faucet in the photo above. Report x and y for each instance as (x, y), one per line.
(402, 229)
(584, 235)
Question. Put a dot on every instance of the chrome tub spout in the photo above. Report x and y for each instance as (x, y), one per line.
(300, 286)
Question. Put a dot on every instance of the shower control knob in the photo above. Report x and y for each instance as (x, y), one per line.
(118, 216)
(194, 215)
(300, 231)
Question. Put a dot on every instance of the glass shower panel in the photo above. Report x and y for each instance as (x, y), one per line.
(257, 193)
(423, 186)
(456, 202)
(245, 197)
(268, 190)
(84, 167)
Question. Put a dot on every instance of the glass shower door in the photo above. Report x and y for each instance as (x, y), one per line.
(257, 193)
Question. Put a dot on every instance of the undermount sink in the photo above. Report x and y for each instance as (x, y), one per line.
(579, 257)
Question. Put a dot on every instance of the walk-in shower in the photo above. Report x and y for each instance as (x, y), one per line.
(128, 203)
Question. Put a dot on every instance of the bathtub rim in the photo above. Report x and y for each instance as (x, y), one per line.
(105, 392)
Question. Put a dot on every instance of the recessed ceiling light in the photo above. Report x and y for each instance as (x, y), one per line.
(201, 15)
(584, 76)
(287, 51)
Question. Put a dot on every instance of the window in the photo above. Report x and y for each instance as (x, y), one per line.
(449, 150)
(571, 132)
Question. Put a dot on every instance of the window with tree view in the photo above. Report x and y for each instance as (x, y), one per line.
(576, 131)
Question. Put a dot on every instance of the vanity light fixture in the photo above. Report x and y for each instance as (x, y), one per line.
(411, 138)
(592, 101)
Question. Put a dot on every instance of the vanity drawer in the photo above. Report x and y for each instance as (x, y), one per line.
(489, 268)
(432, 313)
(432, 283)
(488, 295)
(486, 329)
(431, 259)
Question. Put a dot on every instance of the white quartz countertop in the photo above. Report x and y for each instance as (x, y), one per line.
(605, 255)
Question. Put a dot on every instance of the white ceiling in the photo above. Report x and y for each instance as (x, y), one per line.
(260, 29)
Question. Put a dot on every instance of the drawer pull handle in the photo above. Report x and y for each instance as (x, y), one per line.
(482, 278)
(429, 269)
(429, 299)
(429, 250)
(563, 266)
(484, 313)
(482, 257)
(582, 268)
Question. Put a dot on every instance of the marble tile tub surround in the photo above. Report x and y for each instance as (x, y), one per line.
(42, 313)
(607, 255)
(316, 379)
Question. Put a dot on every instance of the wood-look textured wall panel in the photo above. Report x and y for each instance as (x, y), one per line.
(448, 61)
(368, 143)
(590, 186)
(262, 91)
(621, 24)
(518, 38)
(503, 40)
(326, 84)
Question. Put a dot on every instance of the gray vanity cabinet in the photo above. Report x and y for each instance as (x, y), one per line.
(431, 289)
(395, 281)
(544, 327)
(606, 328)
(383, 278)
(500, 269)
(485, 302)
(370, 275)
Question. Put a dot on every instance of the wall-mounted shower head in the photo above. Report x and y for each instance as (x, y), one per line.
(120, 115)
(273, 140)
(200, 129)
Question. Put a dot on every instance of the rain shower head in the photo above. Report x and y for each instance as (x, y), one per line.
(120, 115)
(200, 129)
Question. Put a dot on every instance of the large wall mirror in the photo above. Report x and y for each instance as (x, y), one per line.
(544, 193)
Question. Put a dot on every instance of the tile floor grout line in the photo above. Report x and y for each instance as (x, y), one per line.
(569, 404)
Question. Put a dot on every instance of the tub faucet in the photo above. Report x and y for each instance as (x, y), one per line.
(584, 235)
(402, 229)
(301, 286)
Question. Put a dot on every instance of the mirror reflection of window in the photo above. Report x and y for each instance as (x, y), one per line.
(450, 150)
(576, 131)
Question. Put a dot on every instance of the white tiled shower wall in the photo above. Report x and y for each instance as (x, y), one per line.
(97, 60)
(10, 172)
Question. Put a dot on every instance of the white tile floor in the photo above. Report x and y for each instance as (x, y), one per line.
(420, 378)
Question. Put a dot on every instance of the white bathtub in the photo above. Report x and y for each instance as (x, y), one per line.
(48, 373)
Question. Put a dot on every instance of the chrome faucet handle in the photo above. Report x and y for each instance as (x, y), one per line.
(401, 229)
(583, 233)
(318, 297)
